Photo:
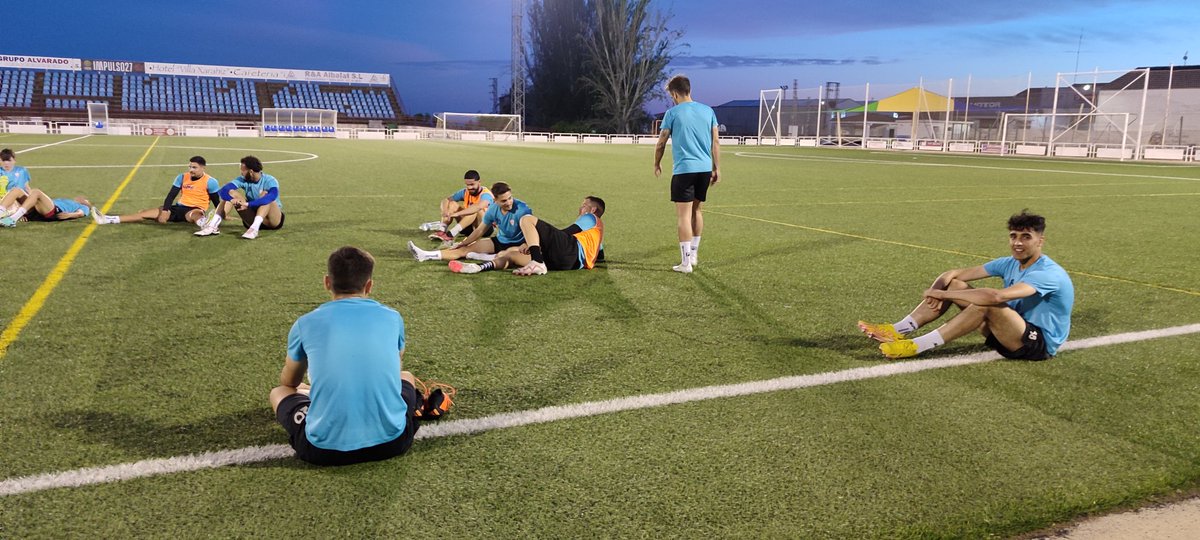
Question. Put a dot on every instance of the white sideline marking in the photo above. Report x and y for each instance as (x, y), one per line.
(787, 157)
(53, 144)
(241, 456)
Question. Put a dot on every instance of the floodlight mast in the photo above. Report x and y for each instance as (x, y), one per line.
(517, 98)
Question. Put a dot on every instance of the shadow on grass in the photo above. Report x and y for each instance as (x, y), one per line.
(149, 438)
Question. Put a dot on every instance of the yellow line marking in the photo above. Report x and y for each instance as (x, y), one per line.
(952, 252)
(35, 303)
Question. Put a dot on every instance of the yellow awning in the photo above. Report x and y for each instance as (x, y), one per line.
(915, 100)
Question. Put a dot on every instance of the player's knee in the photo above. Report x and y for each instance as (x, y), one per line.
(529, 220)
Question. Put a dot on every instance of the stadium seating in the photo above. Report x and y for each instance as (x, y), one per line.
(65, 94)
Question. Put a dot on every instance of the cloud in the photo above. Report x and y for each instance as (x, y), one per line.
(728, 61)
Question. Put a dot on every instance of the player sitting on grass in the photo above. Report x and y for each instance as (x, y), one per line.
(548, 248)
(505, 215)
(462, 209)
(14, 180)
(361, 405)
(195, 189)
(40, 207)
(259, 208)
(1026, 320)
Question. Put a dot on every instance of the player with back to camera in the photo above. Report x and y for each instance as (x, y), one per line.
(696, 154)
(1026, 320)
(361, 406)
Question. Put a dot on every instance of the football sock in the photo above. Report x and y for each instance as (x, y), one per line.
(257, 222)
(487, 266)
(685, 253)
(111, 219)
(20, 213)
(213, 221)
(929, 341)
(455, 229)
(695, 243)
(906, 325)
(535, 252)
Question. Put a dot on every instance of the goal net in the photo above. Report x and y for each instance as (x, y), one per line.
(1068, 128)
(98, 116)
(280, 122)
(770, 104)
(452, 121)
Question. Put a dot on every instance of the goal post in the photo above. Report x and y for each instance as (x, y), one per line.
(286, 122)
(770, 106)
(98, 116)
(453, 121)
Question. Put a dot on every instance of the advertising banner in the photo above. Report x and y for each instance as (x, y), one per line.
(114, 65)
(234, 72)
(39, 62)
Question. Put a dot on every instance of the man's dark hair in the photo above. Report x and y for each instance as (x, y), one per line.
(500, 188)
(471, 175)
(252, 163)
(7, 154)
(680, 85)
(1025, 220)
(599, 204)
(349, 269)
(198, 160)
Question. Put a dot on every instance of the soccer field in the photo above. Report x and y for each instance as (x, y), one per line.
(131, 344)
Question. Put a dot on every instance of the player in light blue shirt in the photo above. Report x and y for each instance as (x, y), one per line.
(361, 405)
(504, 217)
(14, 181)
(1028, 319)
(696, 152)
(258, 204)
(40, 207)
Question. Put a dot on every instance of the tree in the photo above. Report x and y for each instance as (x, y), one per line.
(557, 62)
(628, 52)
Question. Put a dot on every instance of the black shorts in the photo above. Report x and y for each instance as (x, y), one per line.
(292, 414)
(690, 186)
(246, 222)
(37, 216)
(1033, 344)
(501, 246)
(559, 249)
(179, 213)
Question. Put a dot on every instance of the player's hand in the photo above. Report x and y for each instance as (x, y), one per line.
(657, 170)
(716, 177)
(524, 249)
(933, 298)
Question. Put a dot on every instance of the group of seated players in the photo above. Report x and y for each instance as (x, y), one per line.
(530, 245)
(254, 196)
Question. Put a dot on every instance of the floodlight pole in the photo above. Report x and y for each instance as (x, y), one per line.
(518, 60)
(866, 111)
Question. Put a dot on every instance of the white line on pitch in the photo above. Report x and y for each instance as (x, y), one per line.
(253, 454)
(27, 150)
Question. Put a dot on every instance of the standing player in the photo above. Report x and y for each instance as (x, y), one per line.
(505, 215)
(362, 406)
(463, 209)
(1026, 320)
(195, 190)
(259, 208)
(549, 248)
(692, 129)
(40, 207)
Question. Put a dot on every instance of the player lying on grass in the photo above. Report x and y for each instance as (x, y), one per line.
(361, 405)
(40, 207)
(461, 210)
(194, 188)
(549, 248)
(259, 207)
(1026, 320)
(505, 216)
